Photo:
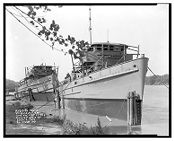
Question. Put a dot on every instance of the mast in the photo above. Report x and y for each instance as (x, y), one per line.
(90, 27)
(108, 35)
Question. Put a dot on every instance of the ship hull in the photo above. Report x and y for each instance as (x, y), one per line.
(41, 89)
(105, 92)
(102, 93)
(112, 108)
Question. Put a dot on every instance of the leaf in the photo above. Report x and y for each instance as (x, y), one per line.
(63, 41)
(57, 39)
(30, 8)
(66, 44)
(29, 13)
(43, 20)
(60, 42)
(75, 56)
(72, 40)
(47, 33)
(51, 27)
(77, 43)
(47, 38)
(53, 43)
(55, 34)
(56, 28)
(39, 33)
(32, 22)
(43, 29)
(33, 17)
(34, 13)
(45, 7)
(39, 19)
(86, 43)
(53, 22)
(69, 38)
(70, 51)
(60, 6)
(36, 7)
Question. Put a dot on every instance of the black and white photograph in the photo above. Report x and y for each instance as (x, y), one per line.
(87, 69)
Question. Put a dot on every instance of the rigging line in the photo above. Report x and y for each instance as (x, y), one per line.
(43, 105)
(157, 76)
(32, 31)
(61, 93)
(25, 18)
(29, 17)
(21, 16)
(122, 107)
(38, 23)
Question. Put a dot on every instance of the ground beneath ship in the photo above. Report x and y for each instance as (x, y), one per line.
(41, 128)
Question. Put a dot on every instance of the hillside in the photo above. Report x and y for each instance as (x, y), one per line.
(10, 85)
(160, 80)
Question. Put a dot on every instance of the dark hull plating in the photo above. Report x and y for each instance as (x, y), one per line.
(48, 96)
(112, 108)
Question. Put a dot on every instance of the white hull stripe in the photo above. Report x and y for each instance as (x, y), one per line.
(102, 78)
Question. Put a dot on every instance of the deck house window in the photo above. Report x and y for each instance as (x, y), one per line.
(105, 47)
(111, 48)
(99, 48)
(116, 49)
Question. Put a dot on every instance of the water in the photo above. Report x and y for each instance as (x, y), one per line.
(155, 118)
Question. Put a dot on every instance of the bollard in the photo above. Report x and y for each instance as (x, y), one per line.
(57, 99)
(133, 109)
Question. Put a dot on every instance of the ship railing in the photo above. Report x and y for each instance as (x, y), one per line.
(132, 48)
(120, 59)
(95, 64)
(78, 71)
(123, 56)
(135, 49)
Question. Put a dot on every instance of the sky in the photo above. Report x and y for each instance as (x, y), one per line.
(146, 26)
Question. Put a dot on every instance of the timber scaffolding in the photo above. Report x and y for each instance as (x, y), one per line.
(38, 79)
(96, 58)
(134, 109)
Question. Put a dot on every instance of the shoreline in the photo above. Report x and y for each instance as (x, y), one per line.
(45, 124)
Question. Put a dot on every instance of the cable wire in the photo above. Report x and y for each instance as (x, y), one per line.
(157, 77)
(33, 32)
(39, 24)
